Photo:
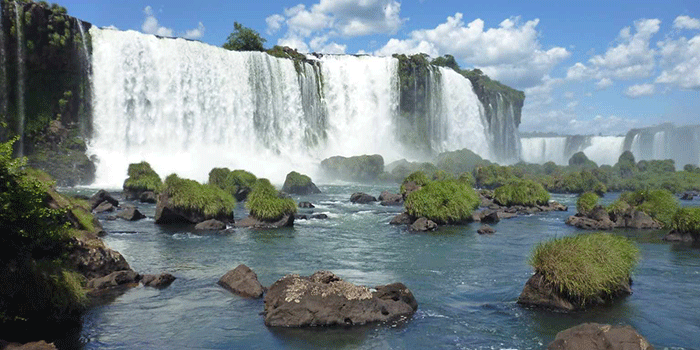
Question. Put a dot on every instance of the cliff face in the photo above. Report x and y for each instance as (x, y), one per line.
(45, 71)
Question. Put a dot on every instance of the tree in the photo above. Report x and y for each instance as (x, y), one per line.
(244, 39)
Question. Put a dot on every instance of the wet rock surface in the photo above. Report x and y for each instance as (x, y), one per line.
(594, 336)
(242, 281)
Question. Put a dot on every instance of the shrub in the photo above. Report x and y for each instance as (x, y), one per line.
(586, 202)
(444, 202)
(244, 39)
(467, 179)
(264, 202)
(586, 266)
(660, 204)
(521, 192)
(579, 159)
(358, 168)
(142, 178)
(687, 220)
(234, 182)
(418, 177)
(191, 195)
(618, 208)
(460, 161)
(493, 176)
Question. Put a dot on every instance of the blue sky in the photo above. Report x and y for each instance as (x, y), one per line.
(586, 67)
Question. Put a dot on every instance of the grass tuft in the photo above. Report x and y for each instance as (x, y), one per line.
(418, 177)
(142, 178)
(265, 204)
(444, 202)
(586, 202)
(521, 192)
(232, 181)
(586, 265)
(660, 204)
(687, 220)
(191, 195)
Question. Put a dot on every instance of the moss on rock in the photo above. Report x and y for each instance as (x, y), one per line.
(358, 168)
(265, 204)
(296, 183)
(238, 182)
(660, 204)
(521, 192)
(586, 202)
(444, 202)
(198, 202)
(141, 178)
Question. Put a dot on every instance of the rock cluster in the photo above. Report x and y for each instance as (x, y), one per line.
(600, 219)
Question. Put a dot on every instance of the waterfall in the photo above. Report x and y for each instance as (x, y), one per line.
(558, 149)
(86, 98)
(540, 150)
(19, 29)
(604, 149)
(666, 141)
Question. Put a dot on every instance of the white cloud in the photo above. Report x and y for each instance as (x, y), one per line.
(566, 121)
(294, 42)
(640, 90)
(274, 23)
(569, 94)
(686, 22)
(680, 62)
(320, 44)
(510, 52)
(603, 84)
(151, 25)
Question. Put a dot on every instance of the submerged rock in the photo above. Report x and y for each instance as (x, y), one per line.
(323, 299)
(114, 279)
(242, 281)
(131, 214)
(362, 198)
(594, 336)
(306, 205)
(160, 281)
(423, 225)
(210, 225)
(486, 230)
(287, 220)
(402, 219)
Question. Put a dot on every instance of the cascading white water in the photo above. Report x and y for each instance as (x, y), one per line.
(659, 146)
(461, 116)
(605, 150)
(540, 150)
(19, 29)
(600, 149)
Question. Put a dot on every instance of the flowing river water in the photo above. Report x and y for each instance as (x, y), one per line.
(466, 284)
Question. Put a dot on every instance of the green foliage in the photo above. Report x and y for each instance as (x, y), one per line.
(467, 179)
(657, 166)
(586, 202)
(691, 168)
(579, 159)
(493, 176)
(687, 220)
(232, 182)
(521, 192)
(142, 178)
(296, 179)
(418, 177)
(585, 266)
(626, 166)
(576, 182)
(460, 161)
(264, 202)
(444, 202)
(188, 194)
(660, 204)
(358, 168)
(244, 39)
(446, 61)
(618, 208)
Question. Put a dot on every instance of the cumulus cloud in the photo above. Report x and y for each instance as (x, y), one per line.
(640, 90)
(566, 121)
(151, 25)
(680, 62)
(510, 52)
(686, 22)
(603, 84)
(336, 18)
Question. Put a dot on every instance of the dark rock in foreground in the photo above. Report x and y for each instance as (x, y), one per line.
(539, 293)
(148, 197)
(323, 299)
(157, 281)
(251, 222)
(100, 197)
(131, 214)
(94, 261)
(423, 225)
(489, 216)
(594, 336)
(242, 281)
(210, 225)
(114, 279)
(362, 198)
(104, 207)
(402, 219)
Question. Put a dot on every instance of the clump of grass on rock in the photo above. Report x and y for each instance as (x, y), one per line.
(687, 220)
(190, 196)
(521, 192)
(660, 204)
(141, 178)
(418, 177)
(296, 183)
(586, 202)
(265, 203)
(238, 182)
(444, 202)
(586, 266)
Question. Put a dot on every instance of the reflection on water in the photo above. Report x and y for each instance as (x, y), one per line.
(466, 284)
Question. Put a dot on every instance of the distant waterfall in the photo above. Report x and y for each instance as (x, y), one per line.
(187, 107)
(558, 149)
(666, 141)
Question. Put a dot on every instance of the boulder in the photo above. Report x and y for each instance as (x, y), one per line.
(37, 345)
(114, 279)
(167, 213)
(539, 293)
(675, 236)
(210, 225)
(594, 336)
(362, 198)
(588, 223)
(104, 207)
(319, 216)
(323, 299)
(410, 187)
(131, 214)
(148, 197)
(486, 230)
(359, 168)
(242, 281)
(390, 199)
(306, 205)
(640, 220)
(100, 197)
(300, 184)
(489, 216)
(160, 281)
(402, 219)
(251, 222)
(94, 261)
(423, 225)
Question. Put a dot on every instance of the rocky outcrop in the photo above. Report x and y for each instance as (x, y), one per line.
(104, 207)
(93, 260)
(675, 236)
(423, 225)
(599, 219)
(360, 168)
(287, 220)
(100, 197)
(538, 292)
(167, 213)
(300, 184)
(115, 279)
(148, 197)
(362, 198)
(242, 281)
(390, 199)
(594, 336)
(210, 225)
(323, 299)
(131, 214)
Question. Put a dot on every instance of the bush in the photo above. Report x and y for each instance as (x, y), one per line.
(521, 192)
(444, 202)
(236, 182)
(460, 161)
(264, 202)
(586, 202)
(618, 208)
(187, 194)
(418, 177)
(466, 179)
(493, 176)
(244, 39)
(299, 184)
(660, 204)
(142, 178)
(358, 168)
(586, 266)
(687, 220)
(579, 159)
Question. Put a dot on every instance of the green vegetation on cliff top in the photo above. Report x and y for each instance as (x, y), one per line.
(187, 194)
(444, 202)
(264, 202)
(585, 266)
